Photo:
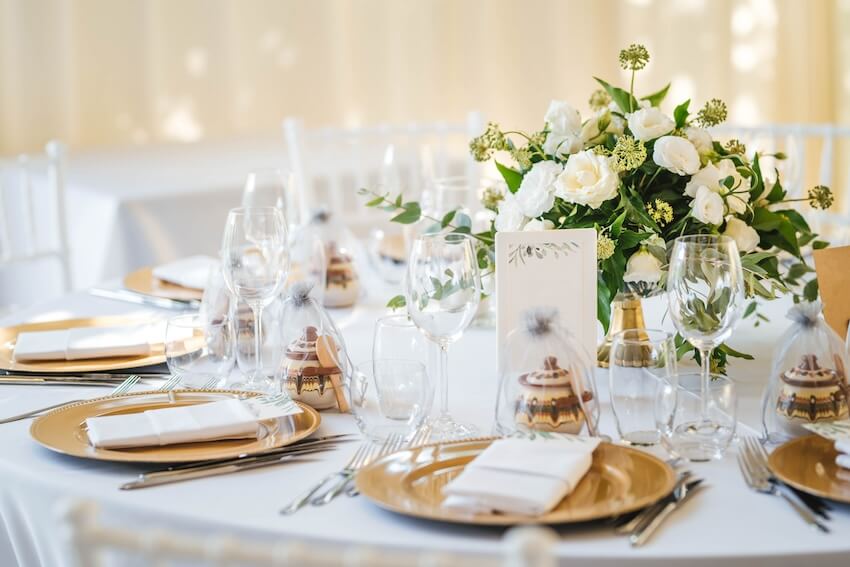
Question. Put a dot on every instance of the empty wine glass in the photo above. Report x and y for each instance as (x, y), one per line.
(273, 187)
(443, 290)
(705, 291)
(254, 263)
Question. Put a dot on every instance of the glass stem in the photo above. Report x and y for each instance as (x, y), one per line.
(705, 381)
(443, 373)
(257, 308)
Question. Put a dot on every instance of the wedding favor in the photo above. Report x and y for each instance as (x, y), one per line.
(307, 260)
(314, 366)
(546, 379)
(808, 382)
(342, 283)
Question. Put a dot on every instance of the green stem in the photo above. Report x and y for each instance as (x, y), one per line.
(632, 91)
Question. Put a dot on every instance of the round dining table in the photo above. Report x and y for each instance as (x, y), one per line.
(726, 523)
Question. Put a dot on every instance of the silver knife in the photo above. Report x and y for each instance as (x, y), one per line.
(142, 299)
(645, 531)
(629, 525)
(216, 470)
(82, 380)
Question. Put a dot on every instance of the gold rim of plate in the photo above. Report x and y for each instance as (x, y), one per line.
(64, 429)
(409, 482)
(808, 464)
(9, 336)
(143, 281)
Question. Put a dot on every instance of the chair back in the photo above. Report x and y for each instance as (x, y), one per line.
(93, 543)
(33, 224)
(329, 165)
(816, 154)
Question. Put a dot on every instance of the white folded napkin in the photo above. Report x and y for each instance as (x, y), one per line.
(521, 476)
(83, 343)
(227, 419)
(191, 272)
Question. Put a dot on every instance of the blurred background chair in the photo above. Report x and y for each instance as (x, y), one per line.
(816, 154)
(331, 164)
(34, 253)
(94, 543)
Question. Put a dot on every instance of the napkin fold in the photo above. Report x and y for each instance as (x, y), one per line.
(83, 343)
(521, 476)
(191, 272)
(227, 419)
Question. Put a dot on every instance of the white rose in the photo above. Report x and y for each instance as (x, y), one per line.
(676, 154)
(510, 217)
(649, 123)
(744, 235)
(564, 122)
(713, 176)
(563, 118)
(643, 266)
(536, 193)
(707, 206)
(537, 224)
(587, 179)
(738, 196)
(701, 139)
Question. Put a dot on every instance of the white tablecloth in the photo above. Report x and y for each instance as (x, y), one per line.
(726, 522)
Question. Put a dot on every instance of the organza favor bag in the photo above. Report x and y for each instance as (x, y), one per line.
(342, 280)
(314, 365)
(808, 380)
(547, 379)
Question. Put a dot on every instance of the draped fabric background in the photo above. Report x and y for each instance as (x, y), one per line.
(98, 72)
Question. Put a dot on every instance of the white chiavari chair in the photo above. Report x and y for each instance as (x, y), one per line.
(330, 164)
(93, 543)
(817, 154)
(32, 216)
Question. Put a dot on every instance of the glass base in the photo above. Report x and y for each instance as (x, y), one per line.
(445, 428)
(641, 438)
(255, 382)
(700, 441)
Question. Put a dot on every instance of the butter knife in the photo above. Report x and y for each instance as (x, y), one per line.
(169, 477)
(647, 528)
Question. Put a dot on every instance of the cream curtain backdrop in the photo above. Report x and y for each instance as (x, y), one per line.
(100, 72)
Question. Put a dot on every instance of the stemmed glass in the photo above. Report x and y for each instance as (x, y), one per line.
(273, 188)
(443, 290)
(705, 291)
(255, 261)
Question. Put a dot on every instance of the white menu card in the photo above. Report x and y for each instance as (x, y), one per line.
(549, 268)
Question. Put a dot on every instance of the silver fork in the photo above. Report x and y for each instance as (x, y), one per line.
(362, 451)
(121, 388)
(390, 444)
(170, 384)
(420, 437)
(758, 477)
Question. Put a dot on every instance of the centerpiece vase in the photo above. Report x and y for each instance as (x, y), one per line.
(626, 313)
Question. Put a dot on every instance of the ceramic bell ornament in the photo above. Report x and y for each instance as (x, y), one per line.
(547, 380)
(314, 366)
(342, 282)
(808, 381)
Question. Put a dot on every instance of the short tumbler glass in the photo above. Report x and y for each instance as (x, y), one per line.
(200, 349)
(390, 396)
(678, 415)
(639, 360)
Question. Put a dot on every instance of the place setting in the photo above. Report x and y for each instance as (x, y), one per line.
(622, 334)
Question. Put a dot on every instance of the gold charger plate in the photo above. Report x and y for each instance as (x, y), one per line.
(808, 464)
(9, 336)
(410, 482)
(143, 281)
(64, 430)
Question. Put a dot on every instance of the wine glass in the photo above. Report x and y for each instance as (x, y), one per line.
(443, 290)
(705, 291)
(273, 188)
(255, 261)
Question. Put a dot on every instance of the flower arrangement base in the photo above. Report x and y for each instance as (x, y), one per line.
(626, 313)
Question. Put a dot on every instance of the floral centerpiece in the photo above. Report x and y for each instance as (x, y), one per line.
(641, 178)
